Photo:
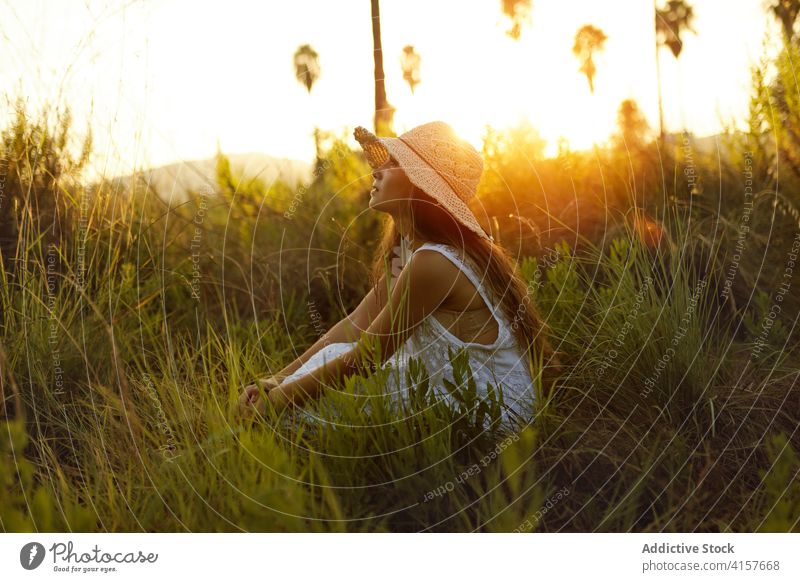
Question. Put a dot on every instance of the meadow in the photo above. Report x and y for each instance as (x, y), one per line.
(666, 273)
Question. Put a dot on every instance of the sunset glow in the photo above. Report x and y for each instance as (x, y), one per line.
(166, 81)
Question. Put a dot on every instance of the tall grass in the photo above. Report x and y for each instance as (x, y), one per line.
(123, 349)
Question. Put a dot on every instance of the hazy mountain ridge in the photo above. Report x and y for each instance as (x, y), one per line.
(174, 181)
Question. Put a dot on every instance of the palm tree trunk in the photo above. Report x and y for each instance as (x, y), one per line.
(658, 77)
(383, 111)
(318, 162)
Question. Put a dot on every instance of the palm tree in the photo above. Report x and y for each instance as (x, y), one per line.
(786, 11)
(671, 22)
(306, 66)
(409, 61)
(384, 112)
(307, 71)
(519, 12)
(588, 40)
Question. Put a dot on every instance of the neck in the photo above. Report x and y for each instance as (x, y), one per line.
(414, 241)
(406, 230)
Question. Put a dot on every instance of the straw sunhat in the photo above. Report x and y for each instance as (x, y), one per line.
(435, 160)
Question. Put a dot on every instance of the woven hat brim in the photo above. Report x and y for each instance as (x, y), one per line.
(422, 175)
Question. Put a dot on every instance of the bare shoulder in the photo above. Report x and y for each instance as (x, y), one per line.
(429, 277)
(430, 259)
(432, 269)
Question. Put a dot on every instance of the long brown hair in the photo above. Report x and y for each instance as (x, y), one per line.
(495, 267)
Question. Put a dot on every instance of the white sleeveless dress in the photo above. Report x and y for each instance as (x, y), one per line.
(501, 363)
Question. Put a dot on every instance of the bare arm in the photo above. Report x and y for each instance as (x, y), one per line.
(422, 278)
(349, 328)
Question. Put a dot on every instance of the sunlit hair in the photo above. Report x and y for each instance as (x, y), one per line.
(496, 271)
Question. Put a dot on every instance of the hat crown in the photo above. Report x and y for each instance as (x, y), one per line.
(454, 158)
(444, 166)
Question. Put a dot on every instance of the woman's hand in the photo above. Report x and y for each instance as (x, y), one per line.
(271, 382)
(251, 398)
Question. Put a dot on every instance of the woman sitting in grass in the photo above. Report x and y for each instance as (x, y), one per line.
(456, 289)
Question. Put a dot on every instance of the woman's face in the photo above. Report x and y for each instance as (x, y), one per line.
(391, 189)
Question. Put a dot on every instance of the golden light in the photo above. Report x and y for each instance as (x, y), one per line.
(151, 85)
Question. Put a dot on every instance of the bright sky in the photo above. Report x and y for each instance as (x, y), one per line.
(165, 81)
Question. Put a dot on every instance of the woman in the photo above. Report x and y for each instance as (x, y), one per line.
(454, 287)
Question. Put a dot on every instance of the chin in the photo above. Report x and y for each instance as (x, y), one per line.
(376, 204)
(391, 207)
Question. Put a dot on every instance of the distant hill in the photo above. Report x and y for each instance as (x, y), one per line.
(173, 181)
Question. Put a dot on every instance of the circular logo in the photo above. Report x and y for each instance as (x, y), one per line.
(31, 555)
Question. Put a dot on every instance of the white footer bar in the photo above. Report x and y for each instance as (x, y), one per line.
(406, 557)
